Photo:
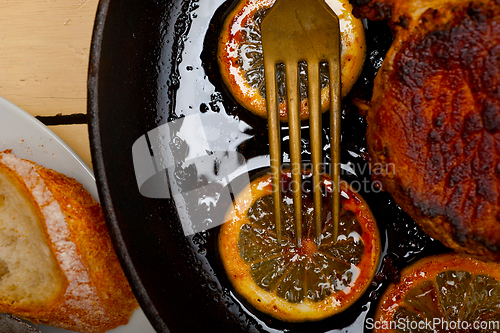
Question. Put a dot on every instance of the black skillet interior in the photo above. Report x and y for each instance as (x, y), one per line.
(153, 62)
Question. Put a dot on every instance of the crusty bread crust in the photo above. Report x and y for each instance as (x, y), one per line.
(96, 296)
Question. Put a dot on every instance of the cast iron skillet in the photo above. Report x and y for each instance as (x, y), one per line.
(138, 65)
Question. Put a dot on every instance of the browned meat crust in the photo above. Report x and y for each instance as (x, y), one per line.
(434, 124)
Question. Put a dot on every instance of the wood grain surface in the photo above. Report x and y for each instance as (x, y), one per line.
(44, 54)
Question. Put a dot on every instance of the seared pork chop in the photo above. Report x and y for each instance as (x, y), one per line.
(434, 122)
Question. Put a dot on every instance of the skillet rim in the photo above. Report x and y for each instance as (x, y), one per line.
(95, 141)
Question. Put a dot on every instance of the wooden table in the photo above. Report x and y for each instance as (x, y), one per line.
(44, 55)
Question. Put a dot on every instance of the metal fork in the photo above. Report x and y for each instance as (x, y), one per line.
(295, 31)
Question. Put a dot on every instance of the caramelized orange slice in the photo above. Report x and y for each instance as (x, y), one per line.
(299, 284)
(444, 293)
(241, 61)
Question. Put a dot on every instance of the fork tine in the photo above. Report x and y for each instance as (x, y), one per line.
(293, 106)
(335, 135)
(315, 134)
(273, 123)
(303, 30)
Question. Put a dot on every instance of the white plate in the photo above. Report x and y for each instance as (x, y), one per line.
(30, 139)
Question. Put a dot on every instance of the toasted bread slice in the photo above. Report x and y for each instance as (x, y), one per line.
(57, 263)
